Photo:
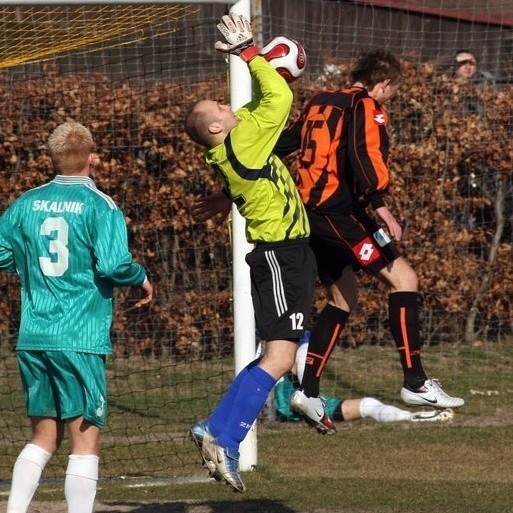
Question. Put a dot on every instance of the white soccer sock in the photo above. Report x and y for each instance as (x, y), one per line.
(374, 409)
(80, 483)
(301, 353)
(25, 477)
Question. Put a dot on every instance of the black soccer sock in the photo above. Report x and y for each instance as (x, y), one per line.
(403, 312)
(323, 339)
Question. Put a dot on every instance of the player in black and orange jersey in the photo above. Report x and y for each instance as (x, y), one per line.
(342, 170)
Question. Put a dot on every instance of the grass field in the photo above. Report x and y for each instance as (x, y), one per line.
(462, 466)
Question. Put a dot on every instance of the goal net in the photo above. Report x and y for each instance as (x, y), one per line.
(130, 71)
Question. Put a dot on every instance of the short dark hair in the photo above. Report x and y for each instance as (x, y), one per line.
(374, 66)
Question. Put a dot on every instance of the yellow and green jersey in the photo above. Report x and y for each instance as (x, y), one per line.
(256, 180)
(68, 243)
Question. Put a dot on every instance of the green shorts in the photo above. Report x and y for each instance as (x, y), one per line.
(64, 385)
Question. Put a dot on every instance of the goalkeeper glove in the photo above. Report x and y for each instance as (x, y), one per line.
(236, 29)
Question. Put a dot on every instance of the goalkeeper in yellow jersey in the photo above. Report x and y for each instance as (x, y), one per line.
(239, 147)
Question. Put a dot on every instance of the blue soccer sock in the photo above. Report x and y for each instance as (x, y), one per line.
(217, 419)
(230, 422)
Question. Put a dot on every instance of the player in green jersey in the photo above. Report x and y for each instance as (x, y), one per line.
(239, 147)
(67, 241)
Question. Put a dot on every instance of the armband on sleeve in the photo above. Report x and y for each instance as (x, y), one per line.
(249, 53)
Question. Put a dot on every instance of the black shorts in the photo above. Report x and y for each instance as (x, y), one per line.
(283, 278)
(338, 240)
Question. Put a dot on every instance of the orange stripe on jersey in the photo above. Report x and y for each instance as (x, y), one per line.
(318, 164)
(344, 148)
(375, 170)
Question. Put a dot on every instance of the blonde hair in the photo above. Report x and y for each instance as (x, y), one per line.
(71, 145)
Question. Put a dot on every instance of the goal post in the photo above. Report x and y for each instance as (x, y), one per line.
(243, 315)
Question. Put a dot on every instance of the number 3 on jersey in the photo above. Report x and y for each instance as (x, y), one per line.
(56, 229)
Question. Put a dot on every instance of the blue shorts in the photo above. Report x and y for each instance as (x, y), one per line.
(64, 385)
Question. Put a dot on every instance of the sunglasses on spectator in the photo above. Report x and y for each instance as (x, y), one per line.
(472, 62)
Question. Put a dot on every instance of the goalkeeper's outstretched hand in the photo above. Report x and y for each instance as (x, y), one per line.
(210, 206)
(236, 29)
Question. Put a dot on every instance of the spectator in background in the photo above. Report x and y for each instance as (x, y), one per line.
(68, 243)
(474, 176)
(465, 65)
(465, 72)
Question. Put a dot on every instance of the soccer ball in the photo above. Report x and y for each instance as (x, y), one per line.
(286, 56)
